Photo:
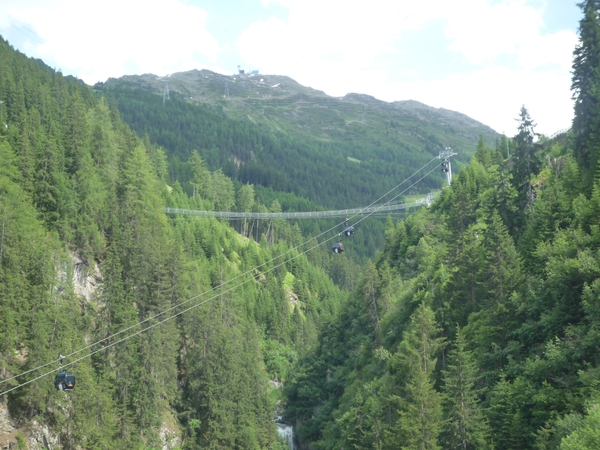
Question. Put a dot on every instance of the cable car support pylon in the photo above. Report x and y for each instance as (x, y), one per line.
(446, 166)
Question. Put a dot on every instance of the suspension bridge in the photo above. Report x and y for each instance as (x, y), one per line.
(367, 210)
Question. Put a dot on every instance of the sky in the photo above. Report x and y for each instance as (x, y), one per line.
(483, 58)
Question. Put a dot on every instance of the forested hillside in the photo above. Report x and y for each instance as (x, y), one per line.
(475, 326)
(295, 145)
(270, 131)
(91, 268)
(478, 324)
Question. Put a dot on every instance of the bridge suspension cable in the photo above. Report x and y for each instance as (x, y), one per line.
(365, 211)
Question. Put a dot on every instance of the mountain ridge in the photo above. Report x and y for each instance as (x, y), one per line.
(262, 97)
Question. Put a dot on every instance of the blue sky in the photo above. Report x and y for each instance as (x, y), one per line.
(484, 58)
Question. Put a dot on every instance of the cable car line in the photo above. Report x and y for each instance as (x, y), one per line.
(223, 284)
(377, 209)
(169, 309)
(187, 301)
(155, 324)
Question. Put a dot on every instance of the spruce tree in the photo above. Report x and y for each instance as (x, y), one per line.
(369, 288)
(586, 91)
(466, 427)
(524, 162)
(245, 201)
(200, 174)
(420, 416)
(483, 153)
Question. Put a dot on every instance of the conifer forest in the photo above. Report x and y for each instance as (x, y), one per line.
(473, 323)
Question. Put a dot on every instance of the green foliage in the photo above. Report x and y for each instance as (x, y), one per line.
(420, 415)
(279, 359)
(81, 198)
(507, 257)
(286, 157)
(466, 427)
(586, 64)
(507, 260)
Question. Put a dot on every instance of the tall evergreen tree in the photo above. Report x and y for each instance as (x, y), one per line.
(586, 91)
(245, 201)
(524, 161)
(369, 287)
(483, 153)
(466, 427)
(200, 175)
(420, 416)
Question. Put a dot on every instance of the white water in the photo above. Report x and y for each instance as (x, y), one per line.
(286, 432)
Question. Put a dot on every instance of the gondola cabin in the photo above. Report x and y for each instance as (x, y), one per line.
(64, 381)
(338, 247)
(349, 231)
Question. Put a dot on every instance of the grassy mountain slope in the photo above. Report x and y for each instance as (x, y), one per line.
(280, 103)
(334, 151)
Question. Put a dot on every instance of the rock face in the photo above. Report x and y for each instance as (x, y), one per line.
(35, 435)
(85, 279)
(40, 437)
(170, 438)
(8, 433)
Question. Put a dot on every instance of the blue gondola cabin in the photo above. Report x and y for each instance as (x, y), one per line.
(338, 247)
(64, 381)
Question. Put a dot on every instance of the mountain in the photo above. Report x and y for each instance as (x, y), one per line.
(280, 103)
(334, 151)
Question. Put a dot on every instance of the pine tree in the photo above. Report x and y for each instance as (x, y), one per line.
(483, 153)
(586, 91)
(223, 195)
(586, 435)
(466, 427)
(369, 289)
(200, 174)
(420, 416)
(245, 201)
(524, 161)
(491, 326)
(118, 314)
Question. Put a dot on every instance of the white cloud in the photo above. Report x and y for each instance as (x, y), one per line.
(341, 46)
(482, 31)
(552, 49)
(495, 95)
(493, 55)
(112, 38)
(352, 32)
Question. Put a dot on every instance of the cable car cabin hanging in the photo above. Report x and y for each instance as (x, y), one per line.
(64, 381)
(349, 231)
(338, 247)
